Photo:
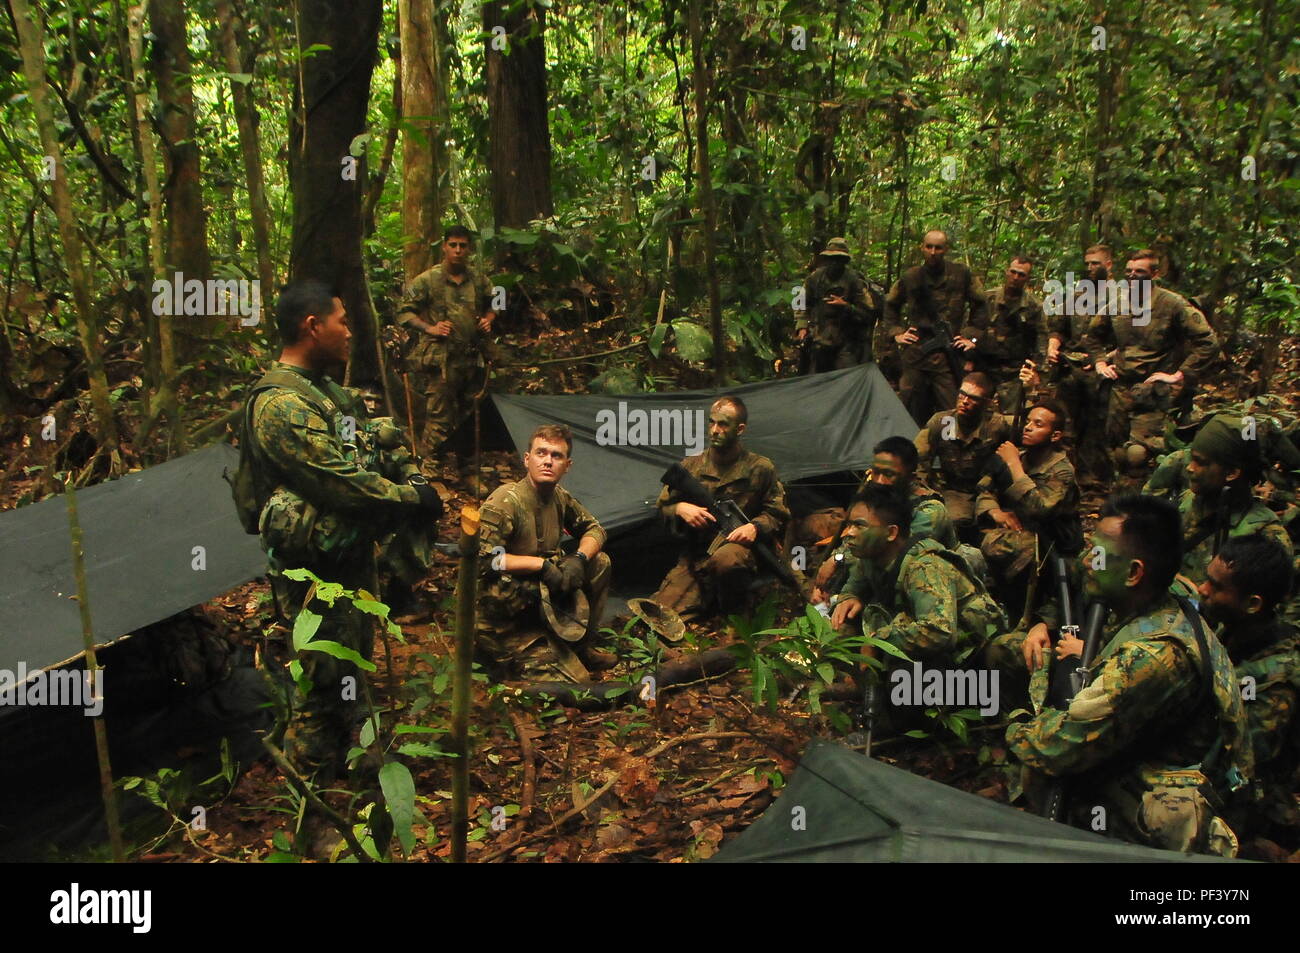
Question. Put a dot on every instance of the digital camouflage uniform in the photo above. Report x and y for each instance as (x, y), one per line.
(936, 611)
(1005, 339)
(841, 337)
(711, 572)
(917, 300)
(1244, 517)
(1047, 492)
(963, 458)
(1134, 741)
(454, 367)
(325, 514)
(511, 629)
(1169, 479)
(1175, 338)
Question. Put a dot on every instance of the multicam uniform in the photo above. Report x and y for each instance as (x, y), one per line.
(515, 519)
(1200, 528)
(709, 569)
(1134, 741)
(963, 458)
(1006, 337)
(454, 366)
(1075, 382)
(840, 335)
(1047, 492)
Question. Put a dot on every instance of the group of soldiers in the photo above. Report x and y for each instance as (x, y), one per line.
(1183, 737)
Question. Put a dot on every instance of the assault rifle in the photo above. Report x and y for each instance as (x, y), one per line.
(1054, 808)
(729, 517)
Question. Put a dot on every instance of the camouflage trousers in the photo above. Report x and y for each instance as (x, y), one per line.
(1135, 424)
(834, 357)
(699, 585)
(1080, 391)
(449, 390)
(960, 505)
(927, 387)
(517, 642)
(1009, 552)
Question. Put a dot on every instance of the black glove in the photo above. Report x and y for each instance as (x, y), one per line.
(430, 501)
(552, 577)
(574, 570)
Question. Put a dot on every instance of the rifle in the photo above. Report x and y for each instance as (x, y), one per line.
(729, 517)
(1054, 808)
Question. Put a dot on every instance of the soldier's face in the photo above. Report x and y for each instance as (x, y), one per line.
(547, 461)
(934, 247)
(1018, 275)
(857, 519)
(887, 469)
(1040, 428)
(1140, 269)
(872, 537)
(970, 401)
(455, 251)
(725, 427)
(332, 335)
(1221, 602)
(835, 265)
(1205, 476)
(1097, 267)
(1106, 566)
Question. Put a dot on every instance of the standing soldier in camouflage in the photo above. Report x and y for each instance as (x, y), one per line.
(1244, 586)
(447, 314)
(923, 312)
(320, 508)
(924, 599)
(1161, 347)
(521, 565)
(1160, 729)
(1009, 334)
(714, 573)
(963, 440)
(839, 315)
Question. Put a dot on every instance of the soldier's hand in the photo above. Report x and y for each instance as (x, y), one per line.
(574, 570)
(1161, 377)
(963, 344)
(850, 607)
(837, 300)
(1029, 374)
(907, 337)
(552, 577)
(1006, 519)
(485, 322)
(1054, 351)
(801, 334)
(1068, 645)
(441, 329)
(1008, 453)
(1035, 644)
(1106, 370)
(430, 501)
(743, 534)
(696, 517)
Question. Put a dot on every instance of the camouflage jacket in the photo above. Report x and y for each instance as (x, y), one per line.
(962, 457)
(920, 297)
(1200, 523)
(1082, 328)
(1009, 333)
(750, 480)
(515, 520)
(929, 515)
(833, 326)
(1146, 712)
(1272, 664)
(1169, 479)
(1047, 491)
(1175, 338)
(433, 297)
(943, 614)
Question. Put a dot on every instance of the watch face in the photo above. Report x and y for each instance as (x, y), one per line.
(418, 480)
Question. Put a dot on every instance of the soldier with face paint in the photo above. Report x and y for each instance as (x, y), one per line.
(714, 573)
(1159, 735)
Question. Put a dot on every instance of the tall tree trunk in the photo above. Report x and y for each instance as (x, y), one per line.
(232, 32)
(327, 183)
(187, 221)
(32, 44)
(424, 131)
(700, 81)
(518, 130)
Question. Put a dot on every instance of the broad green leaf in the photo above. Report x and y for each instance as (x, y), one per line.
(419, 749)
(241, 78)
(693, 341)
(399, 797)
(657, 338)
(341, 652)
(305, 628)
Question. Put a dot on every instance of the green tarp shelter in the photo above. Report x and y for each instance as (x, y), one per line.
(843, 807)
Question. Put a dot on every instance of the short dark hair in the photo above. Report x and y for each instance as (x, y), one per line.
(742, 411)
(553, 432)
(296, 301)
(899, 447)
(1145, 253)
(1024, 259)
(1152, 532)
(980, 380)
(891, 506)
(458, 231)
(1260, 567)
(1060, 415)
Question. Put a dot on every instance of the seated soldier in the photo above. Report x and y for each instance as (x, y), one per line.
(1026, 503)
(1244, 586)
(925, 600)
(963, 440)
(1159, 731)
(521, 565)
(715, 573)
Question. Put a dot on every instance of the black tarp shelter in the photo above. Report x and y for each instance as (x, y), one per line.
(843, 807)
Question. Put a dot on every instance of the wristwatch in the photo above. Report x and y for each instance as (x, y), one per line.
(416, 479)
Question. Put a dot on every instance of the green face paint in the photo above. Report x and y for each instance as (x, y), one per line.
(869, 541)
(1105, 568)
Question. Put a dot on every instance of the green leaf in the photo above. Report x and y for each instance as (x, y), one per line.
(242, 78)
(301, 575)
(657, 338)
(827, 672)
(367, 733)
(418, 729)
(372, 607)
(305, 628)
(341, 652)
(693, 342)
(399, 797)
(917, 733)
(418, 749)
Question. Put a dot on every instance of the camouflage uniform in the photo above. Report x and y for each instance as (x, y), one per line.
(927, 381)
(1169, 479)
(1046, 493)
(1137, 411)
(711, 571)
(963, 458)
(942, 615)
(454, 366)
(1005, 339)
(325, 513)
(840, 335)
(511, 629)
(1201, 521)
(1134, 741)
(1076, 383)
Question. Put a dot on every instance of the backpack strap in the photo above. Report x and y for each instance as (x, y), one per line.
(1210, 763)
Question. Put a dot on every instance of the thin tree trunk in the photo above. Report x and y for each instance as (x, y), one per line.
(424, 133)
(700, 80)
(32, 45)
